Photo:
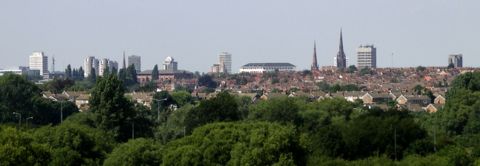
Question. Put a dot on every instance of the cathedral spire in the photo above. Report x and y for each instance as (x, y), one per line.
(124, 65)
(341, 58)
(314, 66)
(341, 41)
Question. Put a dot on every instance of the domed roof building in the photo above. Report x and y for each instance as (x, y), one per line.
(169, 64)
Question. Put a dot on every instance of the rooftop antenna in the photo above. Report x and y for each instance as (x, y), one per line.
(53, 63)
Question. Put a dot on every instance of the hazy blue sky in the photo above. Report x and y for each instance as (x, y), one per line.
(194, 32)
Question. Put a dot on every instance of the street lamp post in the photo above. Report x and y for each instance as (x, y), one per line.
(26, 121)
(133, 130)
(19, 118)
(158, 108)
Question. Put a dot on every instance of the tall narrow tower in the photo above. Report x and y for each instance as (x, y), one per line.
(314, 66)
(124, 65)
(53, 64)
(341, 58)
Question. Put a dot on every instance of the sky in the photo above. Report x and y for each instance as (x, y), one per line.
(407, 33)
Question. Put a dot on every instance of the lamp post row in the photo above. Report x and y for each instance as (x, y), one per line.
(20, 119)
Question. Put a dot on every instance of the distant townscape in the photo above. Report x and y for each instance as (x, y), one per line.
(414, 88)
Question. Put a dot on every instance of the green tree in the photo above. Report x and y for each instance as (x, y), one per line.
(182, 98)
(365, 71)
(419, 89)
(93, 76)
(132, 74)
(160, 104)
(75, 144)
(106, 71)
(113, 111)
(59, 85)
(451, 66)
(175, 126)
(136, 152)
(18, 148)
(81, 74)
(283, 110)
(247, 143)
(122, 75)
(155, 72)
(68, 71)
(336, 107)
(380, 132)
(222, 107)
(207, 81)
(462, 109)
(420, 68)
(352, 69)
(46, 111)
(18, 95)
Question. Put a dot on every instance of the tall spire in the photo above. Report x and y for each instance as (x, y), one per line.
(124, 65)
(341, 58)
(341, 41)
(314, 66)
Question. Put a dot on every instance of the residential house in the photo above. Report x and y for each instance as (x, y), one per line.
(376, 98)
(432, 108)
(439, 100)
(143, 98)
(413, 99)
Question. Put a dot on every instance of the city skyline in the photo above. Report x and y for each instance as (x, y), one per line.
(428, 31)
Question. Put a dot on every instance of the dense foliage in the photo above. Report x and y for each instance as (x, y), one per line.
(243, 143)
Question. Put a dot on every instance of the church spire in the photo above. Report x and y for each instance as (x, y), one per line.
(341, 58)
(314, 66)
(341, 41)
(124, 65)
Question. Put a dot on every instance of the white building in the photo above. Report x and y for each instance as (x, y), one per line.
(169, 64)
(366, 56)
(107, 64)
(266, 67)
(136, 61)
(14, 71)
(38, 61)
(225, 62)
(215, 68)
(88, 65)
(103, 66)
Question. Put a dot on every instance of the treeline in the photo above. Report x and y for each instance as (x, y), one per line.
(233, 130)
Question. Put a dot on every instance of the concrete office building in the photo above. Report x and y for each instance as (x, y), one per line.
(225, 62)
(38, 61)
(366, 56)
(215, 68)
(106, 64)
(112, 66)
(136, 61)
(88, 65)
(96, 66)
(456, 60)
(103, 66)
